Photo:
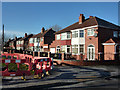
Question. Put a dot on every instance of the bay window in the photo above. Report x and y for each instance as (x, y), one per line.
(74, 34)
(75, 49)
(68, 35)
(81, 33)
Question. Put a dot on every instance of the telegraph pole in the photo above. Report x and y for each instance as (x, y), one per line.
(2, 37)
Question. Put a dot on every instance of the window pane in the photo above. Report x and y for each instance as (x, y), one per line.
(90, 32)
(58, 37)
(81, 33)
(115, 34)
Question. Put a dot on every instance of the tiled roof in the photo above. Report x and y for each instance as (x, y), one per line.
(113, 40)
(90, 22)
(17, 39)
(26, 37)
(41, 34)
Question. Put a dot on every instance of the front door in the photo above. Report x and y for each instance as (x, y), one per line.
(91, 52)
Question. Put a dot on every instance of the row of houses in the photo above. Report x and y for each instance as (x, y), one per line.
(91, 37)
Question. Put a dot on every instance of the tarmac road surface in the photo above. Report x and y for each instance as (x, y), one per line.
(70, 77)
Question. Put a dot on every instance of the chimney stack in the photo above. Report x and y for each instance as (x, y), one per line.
(42, 30)
(25, 34)
(81, 18)
(15, 38)
(90, 16)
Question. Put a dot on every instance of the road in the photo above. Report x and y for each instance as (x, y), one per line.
(70, 77)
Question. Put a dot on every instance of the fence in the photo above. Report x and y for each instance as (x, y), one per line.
(70, 56)
(56, 55)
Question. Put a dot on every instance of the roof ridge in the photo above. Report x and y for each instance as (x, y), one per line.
(107, 21)
(65, 27)
(95, 20)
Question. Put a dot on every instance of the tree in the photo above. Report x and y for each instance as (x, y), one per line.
(56, 27)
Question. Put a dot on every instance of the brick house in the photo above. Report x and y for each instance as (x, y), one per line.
(11, 43)
(22, 44)
(8, 44)
(42, 40)
(93, 38)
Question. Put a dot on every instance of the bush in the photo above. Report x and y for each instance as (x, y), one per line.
(23, 67)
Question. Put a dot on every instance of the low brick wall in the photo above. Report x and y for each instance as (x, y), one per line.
(86, 63)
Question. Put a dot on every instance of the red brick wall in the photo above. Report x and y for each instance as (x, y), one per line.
(65, 42)
(109, 52)
(93, 41)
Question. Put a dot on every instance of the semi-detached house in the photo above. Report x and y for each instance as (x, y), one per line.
(93, 38)
(41, 41)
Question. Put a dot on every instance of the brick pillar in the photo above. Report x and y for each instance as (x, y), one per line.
(38, 53)
(62, 56)
(23, 52)
(10, 51)
(49, 54)
(33, 53)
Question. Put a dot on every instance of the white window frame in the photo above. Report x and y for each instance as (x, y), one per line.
(75, 34)
(63, 48)
(90, 32)
(68, 35)
(81, 46)
(81, 33)
(75, 47)
(63, 36)
(58, 36)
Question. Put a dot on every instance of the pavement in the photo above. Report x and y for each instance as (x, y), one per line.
(70, 77)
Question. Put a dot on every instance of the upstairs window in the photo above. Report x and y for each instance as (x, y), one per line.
(68, 35)
(41, 39)
(31, 40)
(81, 33)
(63, 36)
(74, 34)
(90, 32)
(115, 34)
(38, 39)
(58, 36)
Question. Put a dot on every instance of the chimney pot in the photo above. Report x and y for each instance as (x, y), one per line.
(90, 16)
(81, 18)
(25, 34)
(42, 30)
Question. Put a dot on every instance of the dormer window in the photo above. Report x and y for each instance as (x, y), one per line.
(90, 32)
(115, 34)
